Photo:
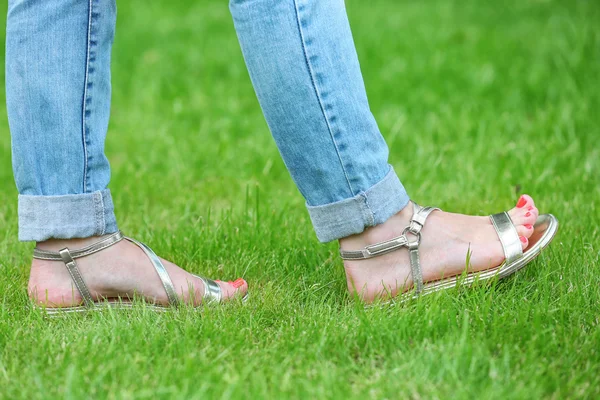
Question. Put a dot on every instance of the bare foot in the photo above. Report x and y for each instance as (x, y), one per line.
(118, 271)
(446, 240)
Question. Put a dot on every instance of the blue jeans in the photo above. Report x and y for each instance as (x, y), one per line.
(304, 68)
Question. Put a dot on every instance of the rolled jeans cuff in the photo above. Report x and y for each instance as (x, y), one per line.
(351, 216)
(66, 217)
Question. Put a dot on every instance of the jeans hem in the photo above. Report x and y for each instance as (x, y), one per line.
(351, 216)
(66, 217)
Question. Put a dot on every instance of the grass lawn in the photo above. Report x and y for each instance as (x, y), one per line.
(479, 102)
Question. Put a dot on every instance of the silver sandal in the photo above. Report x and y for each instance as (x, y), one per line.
(212, 291)
(544, 230)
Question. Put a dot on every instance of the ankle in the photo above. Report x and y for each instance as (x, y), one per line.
(76, 243)
(391, 228)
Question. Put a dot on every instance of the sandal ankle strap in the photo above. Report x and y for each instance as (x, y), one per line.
(68, 257)
(417, 222)
(86, 251)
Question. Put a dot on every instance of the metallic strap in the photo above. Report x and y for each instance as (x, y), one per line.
(160, 270)
(507, 233)
(420, 214)
(71, 265)
(374, 250)
(502, 223)
(68, 257)
(86, 251)
(415, 266)
(212, 291)
(417, 222)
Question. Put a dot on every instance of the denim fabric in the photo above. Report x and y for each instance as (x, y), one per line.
(58, 216)
(349, 216)
(58, 101)
(304, 67)
(303, 64)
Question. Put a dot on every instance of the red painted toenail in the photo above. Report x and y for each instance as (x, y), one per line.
(238, 283)
(522, 202)
(528, 226)
(528, 214)
(523, 239)
(530, 208)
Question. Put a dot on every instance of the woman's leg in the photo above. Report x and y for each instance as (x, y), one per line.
(304, 68)
(305, 71)
(58, 100)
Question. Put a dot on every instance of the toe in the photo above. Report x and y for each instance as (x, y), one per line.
(526, 217)
(525, 230)
(524, 209)
(524, 202)
(535, 212)
(524, 242)
(236, 288)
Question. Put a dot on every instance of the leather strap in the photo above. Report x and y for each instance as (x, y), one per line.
(417, 222)
(507, 233)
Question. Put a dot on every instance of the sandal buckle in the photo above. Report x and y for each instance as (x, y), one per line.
(414, 244)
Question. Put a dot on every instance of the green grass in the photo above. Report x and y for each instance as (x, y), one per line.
(479, 101)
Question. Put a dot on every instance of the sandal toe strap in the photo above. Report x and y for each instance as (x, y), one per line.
(212, 290)
(507, 233)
